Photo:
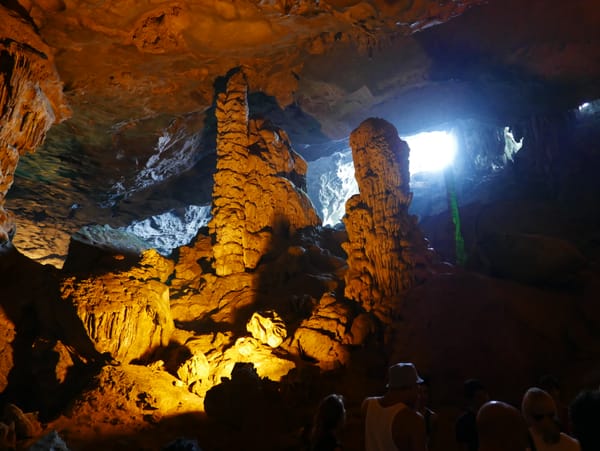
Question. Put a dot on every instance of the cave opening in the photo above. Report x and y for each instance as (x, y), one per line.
(431, 151)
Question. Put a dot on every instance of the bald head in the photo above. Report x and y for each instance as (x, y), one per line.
(539, 410)
(501, 428)
(537, 402)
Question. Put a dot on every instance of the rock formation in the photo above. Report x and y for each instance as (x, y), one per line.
(382, 237)
(255, 199)
(31, 100)
(126, 314)
(263, 303)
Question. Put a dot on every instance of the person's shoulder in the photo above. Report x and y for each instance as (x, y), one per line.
(570, 444)
(409, 415)
(366, 403)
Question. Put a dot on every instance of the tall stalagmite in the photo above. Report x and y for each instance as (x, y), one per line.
(382, 236)
(228, 213)
(31, 100)
(258, 194)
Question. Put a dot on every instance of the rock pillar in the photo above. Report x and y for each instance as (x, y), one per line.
(381, 233)
(258, 194)
(228, 215)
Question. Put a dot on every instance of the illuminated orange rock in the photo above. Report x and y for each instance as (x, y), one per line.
(196, 368)
(126, 314)
(324, 335)
(188, 269)
(219, 298)
(202, 361)
(268, 328)
(248, 349)
(125, 399)
(31, 100)
(257, 193)
(382, 237)
(6, 351)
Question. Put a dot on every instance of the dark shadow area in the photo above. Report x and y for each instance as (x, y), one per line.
(303, 129)
(46, 331)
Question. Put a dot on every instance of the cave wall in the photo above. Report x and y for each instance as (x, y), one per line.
(31, 101)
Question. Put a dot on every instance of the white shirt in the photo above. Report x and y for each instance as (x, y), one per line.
(378, 425)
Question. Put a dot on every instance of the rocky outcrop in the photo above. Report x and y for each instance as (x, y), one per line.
(127, 313)
(268, 328)
(324, 335)
(31, 100)
(6, 351)
(382, 237)
(257, 194)
(138, 396)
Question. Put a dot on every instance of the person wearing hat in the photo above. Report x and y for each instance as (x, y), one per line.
(391, 421)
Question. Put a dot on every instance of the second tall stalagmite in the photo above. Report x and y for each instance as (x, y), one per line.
(382, 236)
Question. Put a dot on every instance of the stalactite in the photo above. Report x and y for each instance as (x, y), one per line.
(31, 100)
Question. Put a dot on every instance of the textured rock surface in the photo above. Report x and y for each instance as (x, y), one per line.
(140, 398)
(31, 101)
(254, 196)
(268, 328)
(126, 314)
(141, 80)
(6, 351)
(325, 333)
(164, 59)
(382, 237)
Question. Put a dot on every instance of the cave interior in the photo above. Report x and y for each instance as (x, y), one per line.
(215, 213)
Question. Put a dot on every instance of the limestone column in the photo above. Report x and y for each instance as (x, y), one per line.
(228, 214)
(258, 194)
(381, 233)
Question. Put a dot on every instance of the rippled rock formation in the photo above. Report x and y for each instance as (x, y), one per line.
(126, 314)
(258, 191)
(382, 236)
(31, 101)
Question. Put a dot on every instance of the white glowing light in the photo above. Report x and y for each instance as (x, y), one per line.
(431, 151)
(584, 106)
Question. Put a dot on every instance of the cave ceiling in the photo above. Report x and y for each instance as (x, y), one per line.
(135, 70)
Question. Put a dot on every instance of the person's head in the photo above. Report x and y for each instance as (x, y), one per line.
(475, 394)
(330, 415)
(403, 382)
(501, 428)
(584, 412)
(539, 411)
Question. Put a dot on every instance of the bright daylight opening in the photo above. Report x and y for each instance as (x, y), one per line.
(431, 151)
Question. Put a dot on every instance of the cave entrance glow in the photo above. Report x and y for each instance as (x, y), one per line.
(431, 151)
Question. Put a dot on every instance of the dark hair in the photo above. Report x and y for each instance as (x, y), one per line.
(584, 412)
(549, 382)
(329, 414)
(471, 387)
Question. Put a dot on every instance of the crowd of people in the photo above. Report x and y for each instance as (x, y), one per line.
(402, 420)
